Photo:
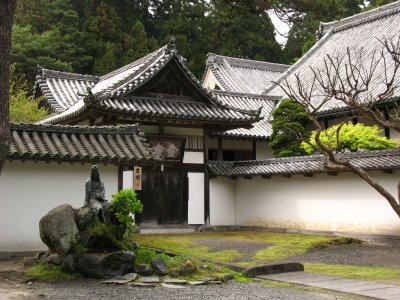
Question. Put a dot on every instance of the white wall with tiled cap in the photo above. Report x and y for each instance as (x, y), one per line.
(29, 190)
(342, 203)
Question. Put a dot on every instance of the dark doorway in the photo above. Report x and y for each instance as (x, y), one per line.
(164, 197)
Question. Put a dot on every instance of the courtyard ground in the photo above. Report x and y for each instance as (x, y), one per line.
(321, 254)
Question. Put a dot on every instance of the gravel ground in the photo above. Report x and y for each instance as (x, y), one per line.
(93, 289)
(353, 254)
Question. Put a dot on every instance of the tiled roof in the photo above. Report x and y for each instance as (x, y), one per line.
(261, 129)
(371, 160)
(243, 75)
(112, 94)
(63, 89)
(363, 32)
(105, 144)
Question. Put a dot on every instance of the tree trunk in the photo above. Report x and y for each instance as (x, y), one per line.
(7, 8)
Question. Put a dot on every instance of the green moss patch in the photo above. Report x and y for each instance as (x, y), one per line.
(49, 274)
(284, 245)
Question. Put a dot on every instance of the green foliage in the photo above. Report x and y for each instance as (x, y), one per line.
(290, 123)
(123, 205)
(23, 108)
(351, 137)
(144, 256)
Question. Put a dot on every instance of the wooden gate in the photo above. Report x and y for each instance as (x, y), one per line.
(164, 197)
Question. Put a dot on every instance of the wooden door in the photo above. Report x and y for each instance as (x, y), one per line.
(164, 197)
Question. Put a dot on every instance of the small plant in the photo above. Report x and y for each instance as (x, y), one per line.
(50, 273)
(123, 207)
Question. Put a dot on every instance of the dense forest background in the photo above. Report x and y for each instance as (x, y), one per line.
(97, 36)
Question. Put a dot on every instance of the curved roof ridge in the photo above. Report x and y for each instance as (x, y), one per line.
(66, 75)
(245, 62)
(361, 18)
(238, 94)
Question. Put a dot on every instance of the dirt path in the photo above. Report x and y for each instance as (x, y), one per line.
(14, 284)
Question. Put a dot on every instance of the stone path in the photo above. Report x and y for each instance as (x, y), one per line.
(334, 283)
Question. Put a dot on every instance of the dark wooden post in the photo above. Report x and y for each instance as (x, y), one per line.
(206, 182)
(220, 155)
(254, 148)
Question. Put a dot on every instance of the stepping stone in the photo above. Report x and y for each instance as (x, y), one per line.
(197, 283)
(149, 279)
(174, 281)
(121, 279)
(171, 286)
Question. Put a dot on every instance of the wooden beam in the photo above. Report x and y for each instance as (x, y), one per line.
(308, 174)
(388, 171)
(331, 173)
(286, 175)
(266, 176)
(248, 177)
(206, 181)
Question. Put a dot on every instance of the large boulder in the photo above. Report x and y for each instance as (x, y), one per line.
(106, 265)
(58, 229)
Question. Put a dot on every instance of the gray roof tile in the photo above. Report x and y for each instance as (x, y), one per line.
(261, 129)
(363, 32)
(243, 75)
(369, 160)
(104, 144)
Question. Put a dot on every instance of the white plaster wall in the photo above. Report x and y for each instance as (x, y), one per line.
(196, 198)
(193, 157)
(222, 201)
(29, 190)
(334, 203)
(264, 151)
(183, 131)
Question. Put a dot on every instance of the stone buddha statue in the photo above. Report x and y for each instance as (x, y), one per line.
(95, 196)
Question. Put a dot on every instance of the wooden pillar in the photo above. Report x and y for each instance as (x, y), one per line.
(120, 177)
(220, 155)
(206, 182)
(254, 148)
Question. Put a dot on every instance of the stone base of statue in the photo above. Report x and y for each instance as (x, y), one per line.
(74, 246)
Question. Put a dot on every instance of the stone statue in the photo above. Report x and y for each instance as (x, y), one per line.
(95, 196)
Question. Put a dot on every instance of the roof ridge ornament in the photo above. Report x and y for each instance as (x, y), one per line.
(171, 47)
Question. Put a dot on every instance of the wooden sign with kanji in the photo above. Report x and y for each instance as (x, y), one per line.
(137, 178)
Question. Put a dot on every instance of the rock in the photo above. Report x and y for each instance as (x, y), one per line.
(54, 259)
(106, 265)
(58, 229)
(29, 261)
(83, 216)
(149, 279)
(159, 265)
(171, 286)
(197, 282)
(174, 281)
(273, 269)
(144, 269)
(187, 268)
(174, 272)
(128, 276)
(226, 277)
(69, 264)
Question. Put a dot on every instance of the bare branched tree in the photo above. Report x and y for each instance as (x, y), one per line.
(362, 81)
